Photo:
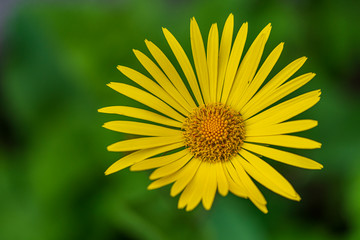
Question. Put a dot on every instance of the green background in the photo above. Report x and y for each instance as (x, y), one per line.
(55, 61)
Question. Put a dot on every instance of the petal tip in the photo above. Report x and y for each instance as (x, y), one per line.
(264, 210)
(207, 208)
(180, 206)
(153, 176)
(230, 17)
(268, 27)
(135, 51)
(172, 193)
(109, 171)
(148, 42)
(106, 125)
(132, 168)
(295, 197)
(318, 166)
(222, 193)
(188, 209)
(213, 26)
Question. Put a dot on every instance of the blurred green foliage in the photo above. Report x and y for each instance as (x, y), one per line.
(55, 61)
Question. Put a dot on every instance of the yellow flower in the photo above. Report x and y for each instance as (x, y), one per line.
(208, 134)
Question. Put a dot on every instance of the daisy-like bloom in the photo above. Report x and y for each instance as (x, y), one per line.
(208, 131)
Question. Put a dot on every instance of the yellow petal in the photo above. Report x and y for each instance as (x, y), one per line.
(284, 74)
(198, 50)
(188, 192)
(140, 114)
(171, 167)
(143, 143)
(267, 175)
(147, 99)
(282, 156)
(281, 128)
(285, 141)
(234, 61)
(152, 87)
(200, 177)
(248, 66)
(253, 192)
(246, 180)
(163, 181)
(280, 92)
(170, 71)
(261, 207)
(185, 195)
(139, 128)
(185, 65)
(260, 77)
(138, 156)
(212, 60)
(210, 187)
(163, 81)
(158, 161)
(223, 184)
(224, 52)
(275, 82)
(185, 175)
(292, 85)
(237, 187)
(285, 110)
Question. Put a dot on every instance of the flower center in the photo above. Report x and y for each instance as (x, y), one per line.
(214, 132)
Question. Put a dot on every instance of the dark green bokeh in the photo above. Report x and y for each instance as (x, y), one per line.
(55, 61)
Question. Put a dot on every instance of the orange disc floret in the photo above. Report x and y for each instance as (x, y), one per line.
(214, 132)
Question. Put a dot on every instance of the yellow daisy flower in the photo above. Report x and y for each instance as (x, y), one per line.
(209, 133)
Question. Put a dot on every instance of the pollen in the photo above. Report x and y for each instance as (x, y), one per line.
(214, 132)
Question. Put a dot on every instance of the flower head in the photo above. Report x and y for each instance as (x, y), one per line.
(208, 132)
